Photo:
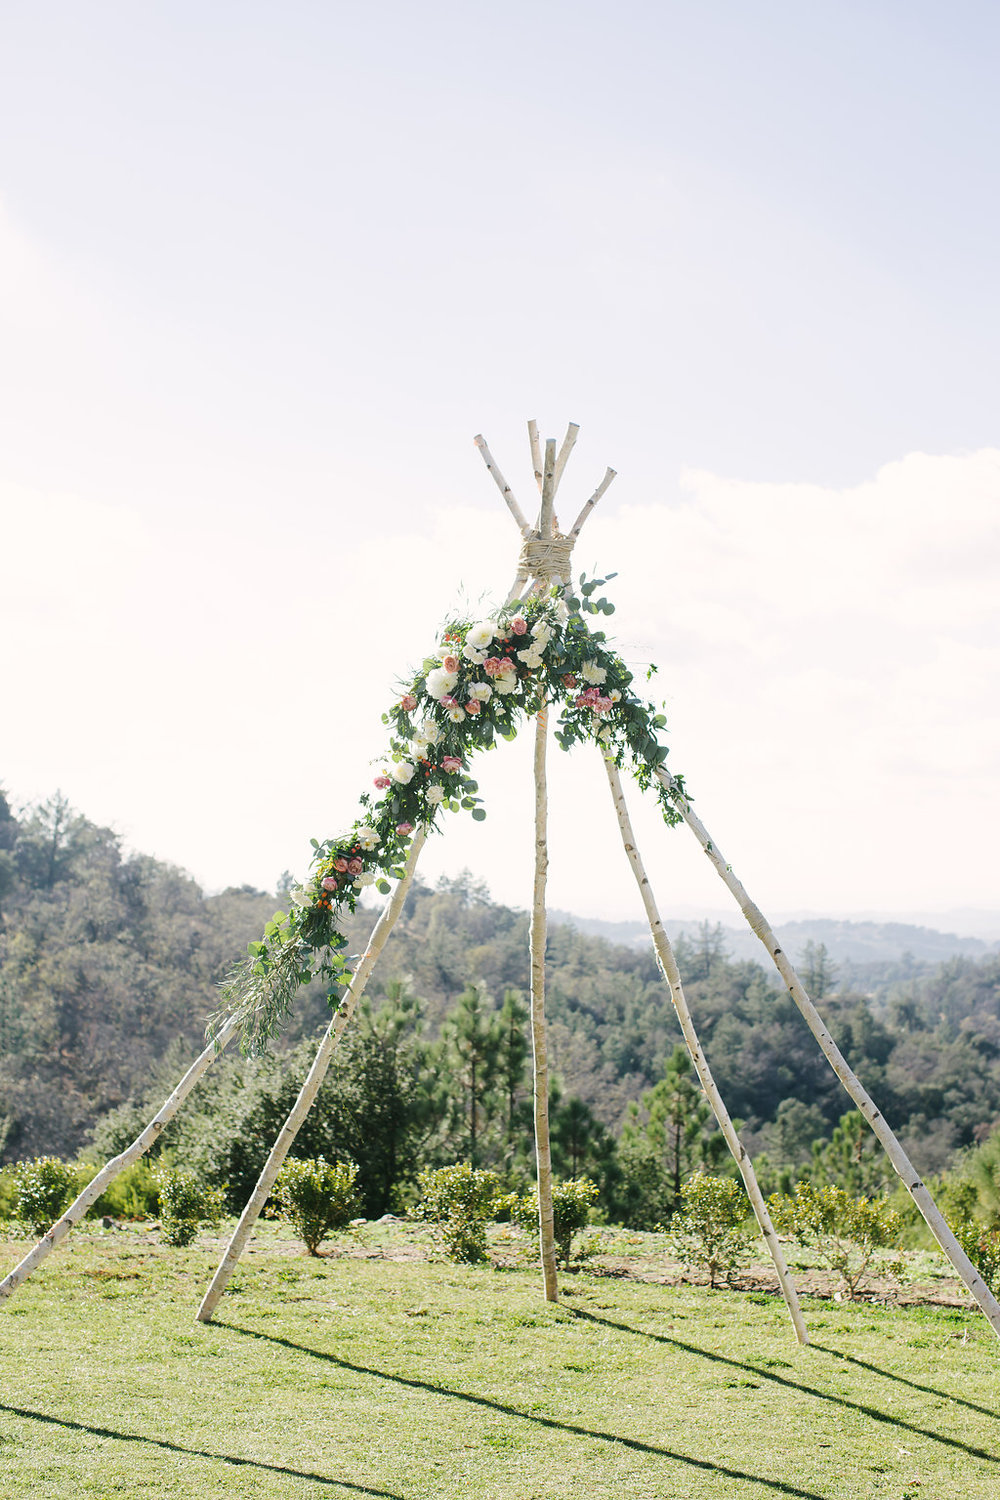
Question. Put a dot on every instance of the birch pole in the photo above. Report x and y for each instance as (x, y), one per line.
(110, 1171)
(510, 499)
(901, 1163)
(609, 474)
(543, 1152)
(671, 974)
(311, 1086)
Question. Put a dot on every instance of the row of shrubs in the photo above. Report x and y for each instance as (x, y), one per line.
(712, 1230)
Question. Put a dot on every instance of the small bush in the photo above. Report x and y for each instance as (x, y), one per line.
(572, 1202)
(980, 1242)
(461, 1201)
(316, 1197)
(185, 1203)
(43, 1188)
(133, 1194)
(711, 1229)
(8, 1194)
(847, 1233)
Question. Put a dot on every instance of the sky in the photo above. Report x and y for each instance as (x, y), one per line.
(265, 272)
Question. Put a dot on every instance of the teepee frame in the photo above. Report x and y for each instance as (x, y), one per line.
(545, 561)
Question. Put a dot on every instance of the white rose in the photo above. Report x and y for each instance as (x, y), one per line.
(440, 683)
(531, 657)
(403, 771)
(301, 896)
(605, 733)
(591, 672)
(481, 690)
(562, 611)
(541, 633)
(360, 881)
(456, 715)
(430, 731)
(507, 683)
(480, 635)
(435, 794)
(367, 837)
(471, 653)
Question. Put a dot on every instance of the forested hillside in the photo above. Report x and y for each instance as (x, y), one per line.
(108, 968)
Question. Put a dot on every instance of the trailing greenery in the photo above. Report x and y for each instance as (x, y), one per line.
(474, 689)
(316, 1197)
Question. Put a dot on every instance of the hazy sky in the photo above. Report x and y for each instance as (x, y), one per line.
(264, 271)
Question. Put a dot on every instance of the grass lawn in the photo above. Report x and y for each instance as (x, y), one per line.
(401, 1377)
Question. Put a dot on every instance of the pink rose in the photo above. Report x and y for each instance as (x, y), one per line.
(491, 666)
(354, 867)
(408, 702)
(328, 883)
(601, 705)
(382, 782)
(519, 625)
(506, 665)
(340, 865)
(473, 707)
(450, 663)
(403, 829)
(451, 764)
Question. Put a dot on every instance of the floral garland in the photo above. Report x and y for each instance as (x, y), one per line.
(478, 684)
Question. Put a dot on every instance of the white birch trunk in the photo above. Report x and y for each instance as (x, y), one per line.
(901, 1163)
(564, 453)
(543, 1153)
(536, 452)
(311, 1086)
(671, 973)
(503, 486)
(548, 489)
(585, 512)
(110, 1171)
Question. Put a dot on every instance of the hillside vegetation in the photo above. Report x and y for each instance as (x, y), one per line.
(108, 968)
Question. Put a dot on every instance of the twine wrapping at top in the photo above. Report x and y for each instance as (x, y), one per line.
(546, 557)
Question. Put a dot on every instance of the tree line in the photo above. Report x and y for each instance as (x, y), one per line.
(109, 964)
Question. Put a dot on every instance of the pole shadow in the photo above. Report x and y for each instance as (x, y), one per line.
(434, 1388)
(806, 1390)
(224, 1458)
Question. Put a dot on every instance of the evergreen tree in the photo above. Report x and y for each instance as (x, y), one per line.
(664, 1139)
(472, 1045)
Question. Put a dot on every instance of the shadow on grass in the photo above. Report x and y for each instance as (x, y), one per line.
(809, 1390)
(436, 1389)
(928, 1390)
(224, 1458)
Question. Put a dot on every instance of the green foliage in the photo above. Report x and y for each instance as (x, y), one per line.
(572, 1205)
(133, 1194)
(43, 1188)
(853, 1159)
(961, 1204)
(186, 1203)
(669, 1135)
(461, 1200)
(473, 1035)
(316, 1197)
(8, 1194)
(710, 1230)
(847, 1233)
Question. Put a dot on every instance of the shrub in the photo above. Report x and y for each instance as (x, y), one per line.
(461, 1201)
(133, 1194)
(316, 1197)
(572, 1202)
(980, 1242)
(43, 1188)
(711, 1229)
(185, 1203)
(8, 1194)
(846, 1232)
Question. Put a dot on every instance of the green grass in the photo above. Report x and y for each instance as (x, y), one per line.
(403, 1379)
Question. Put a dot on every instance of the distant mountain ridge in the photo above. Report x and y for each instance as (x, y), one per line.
(846, 942)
